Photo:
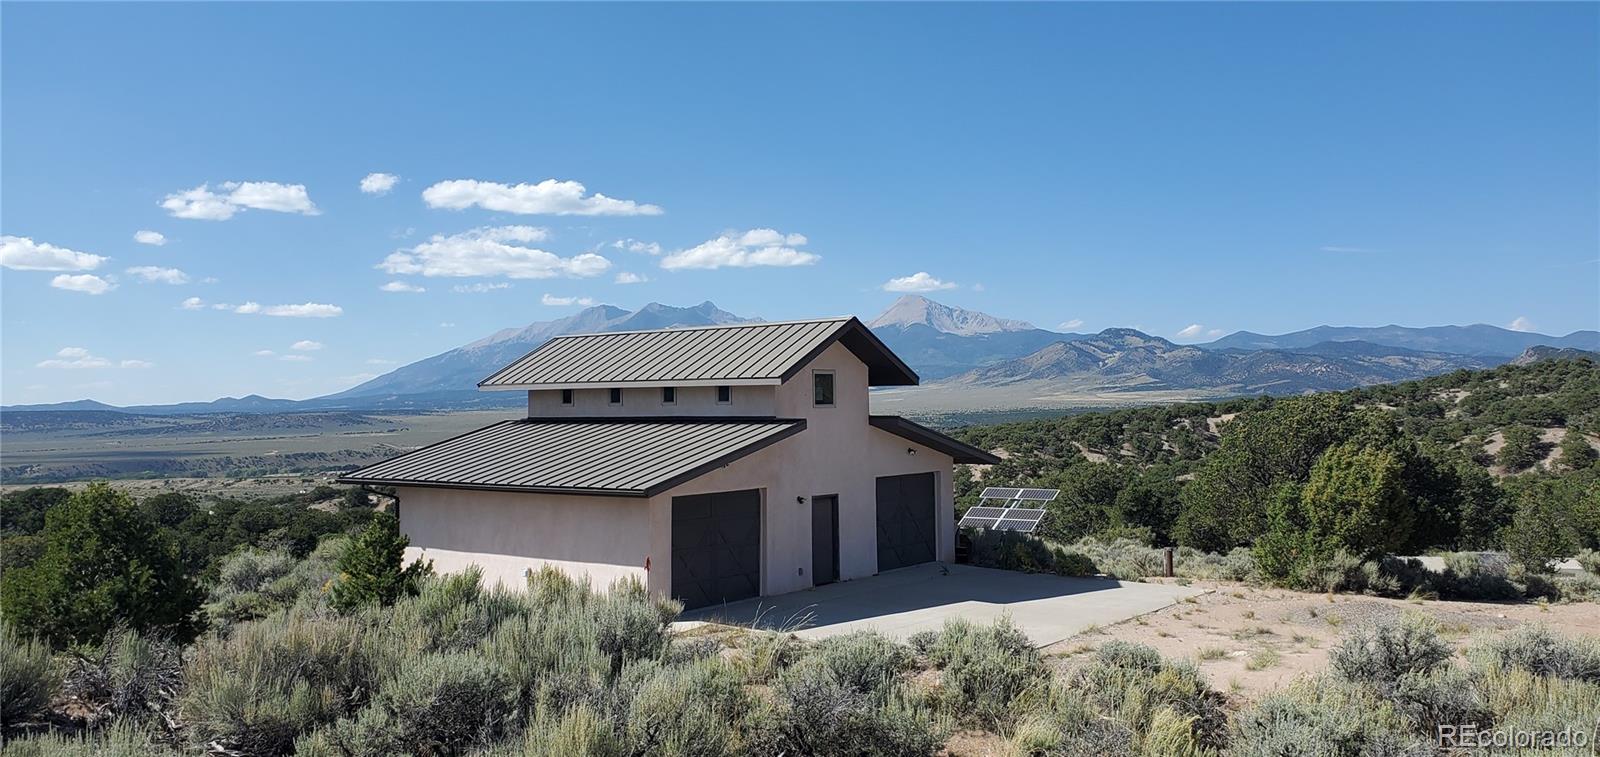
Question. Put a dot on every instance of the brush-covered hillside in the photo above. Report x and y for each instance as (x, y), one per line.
(1457, 461)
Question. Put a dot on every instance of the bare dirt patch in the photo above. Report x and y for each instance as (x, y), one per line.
(1250, 640)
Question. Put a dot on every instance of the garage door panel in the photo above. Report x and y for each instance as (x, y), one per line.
(716, 547)
(906, 523)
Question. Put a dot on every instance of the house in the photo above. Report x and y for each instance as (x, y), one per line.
(713, 464)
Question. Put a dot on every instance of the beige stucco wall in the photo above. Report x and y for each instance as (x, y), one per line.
(691, 400)
(604, 538)
(609, 537)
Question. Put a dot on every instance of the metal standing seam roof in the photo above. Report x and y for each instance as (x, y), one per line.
(764, 352)
(637, 457)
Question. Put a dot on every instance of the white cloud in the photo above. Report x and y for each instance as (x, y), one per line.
(548, 197)
(87, 283)
(306, 345)
(1070, 325)
(491, 251)
(634, 245)
(756, 247)
(379, 183)
(193, 303)
(1520, 323)
(917, 282)
(152, 274)
(1190, 331)
(204, 204)
(295, 358)
(305, 310)
(78, 357)
(401, 286)
(626, 277)
(24, 254)
(145, 236)
(479, 288)
(554, 301)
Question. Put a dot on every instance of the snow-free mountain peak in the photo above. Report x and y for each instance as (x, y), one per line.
(913, 310)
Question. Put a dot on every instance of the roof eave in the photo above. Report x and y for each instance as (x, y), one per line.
(958, 451)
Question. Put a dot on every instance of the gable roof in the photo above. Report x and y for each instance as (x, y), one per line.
(927, 437)
(748, 353)
(628, 457)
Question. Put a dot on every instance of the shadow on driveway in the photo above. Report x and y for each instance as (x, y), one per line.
(902, 602)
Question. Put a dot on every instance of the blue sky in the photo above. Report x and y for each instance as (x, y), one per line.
(1265, 167)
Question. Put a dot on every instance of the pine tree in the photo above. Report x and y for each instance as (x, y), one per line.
(1576, 453)
(373, 570)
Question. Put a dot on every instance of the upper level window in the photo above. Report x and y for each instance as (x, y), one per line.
(724, 395)
(669, 395)
(822, 388)
(616, 396)
(566, 396)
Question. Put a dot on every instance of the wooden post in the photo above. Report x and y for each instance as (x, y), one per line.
(1166, 563)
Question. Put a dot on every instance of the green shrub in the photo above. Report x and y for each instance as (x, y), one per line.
(1381, 653)
(1057, 721)
(630, 625)
(684, 711)
(1538, 650)
(1478, 576)
(819, 714)
(863, 661)
(372, 569)
(435, 704)
(121, 739)
(28, 676)
(577, 731)
(1444, 696)
(1320, 718)
(1543, 530)
(1169, 707)
(129, 675)
(1009, 550)
(249, 585)
(983, 668)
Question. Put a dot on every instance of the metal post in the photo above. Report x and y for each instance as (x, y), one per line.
(1166, 563)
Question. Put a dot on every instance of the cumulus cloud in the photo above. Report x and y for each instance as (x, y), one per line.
(265, 353)
(479, 288)
(554, 301)
(87, 283)
(491, 251)
(626, 277)
(145, 236)
(548, 197)
(379, 183)
(756, 247)
(204, 204)
(79, 357)
(1070, 325)
(192, 303)
(304, 310)
(306, 345)
(634, 245)
(401, 286)
(1520, 323)
(917, 282)
(24, 254)
(154, 274)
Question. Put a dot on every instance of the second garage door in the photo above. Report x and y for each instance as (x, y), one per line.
(716, 547)
(906, 525)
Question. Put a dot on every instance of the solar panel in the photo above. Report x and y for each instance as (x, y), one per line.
(1010, 516)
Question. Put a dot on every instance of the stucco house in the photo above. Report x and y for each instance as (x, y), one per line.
(713, 464)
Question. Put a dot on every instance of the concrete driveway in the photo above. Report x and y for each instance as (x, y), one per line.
(902, 602)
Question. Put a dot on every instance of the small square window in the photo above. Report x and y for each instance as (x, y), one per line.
(616, 396)
(724, 395)
(669, 395)
(822, 388)
(566, 396)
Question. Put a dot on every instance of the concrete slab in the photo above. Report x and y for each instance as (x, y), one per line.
(902, 602)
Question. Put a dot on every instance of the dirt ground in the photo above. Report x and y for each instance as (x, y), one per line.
(237, 488)
(1250, 640)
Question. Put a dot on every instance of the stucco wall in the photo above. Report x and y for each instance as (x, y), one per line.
(604, 538)
(838, 453)
(691, 400)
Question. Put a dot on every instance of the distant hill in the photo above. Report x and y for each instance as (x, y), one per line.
(1478, 339)
(1545, 352)
(914, 310)
(938, 340)
(1129, 359)
(462, 368)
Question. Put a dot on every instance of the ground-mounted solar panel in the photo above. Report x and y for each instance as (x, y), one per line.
(1010, 516)
(982, 517)
(999, 492)
(1038, 495)
(1020, 526)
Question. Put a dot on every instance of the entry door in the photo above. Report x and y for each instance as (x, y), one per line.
(906, 524)
(716, 547)
(824, 540)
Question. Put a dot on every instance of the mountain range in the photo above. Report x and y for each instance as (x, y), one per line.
(952, 347)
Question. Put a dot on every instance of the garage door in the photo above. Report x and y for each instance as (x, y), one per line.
(716, 547)
(906, 529)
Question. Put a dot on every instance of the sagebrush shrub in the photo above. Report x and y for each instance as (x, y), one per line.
(863, 661)
(435, 704)
(819, 714)
(688, 710)
(1380, 653)
(1167, 702)
(983, 668)
(127, 675)
(28, 676)
(1321, 718)
(1540, 651)
(120, 739)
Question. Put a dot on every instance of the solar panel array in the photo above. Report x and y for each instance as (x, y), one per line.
(1009, 516)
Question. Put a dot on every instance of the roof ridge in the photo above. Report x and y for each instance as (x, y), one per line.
(681, 419)
(751, 324)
